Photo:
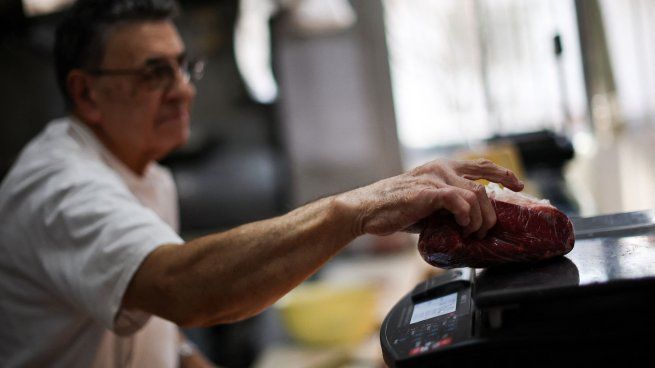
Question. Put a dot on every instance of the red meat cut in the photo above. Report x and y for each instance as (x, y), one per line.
(526, 230)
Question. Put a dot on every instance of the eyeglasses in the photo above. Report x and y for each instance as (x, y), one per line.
(160, 74)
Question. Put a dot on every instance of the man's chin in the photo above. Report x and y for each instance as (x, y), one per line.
(171, 142)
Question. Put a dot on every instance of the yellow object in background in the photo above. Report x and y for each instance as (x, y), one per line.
(322, 314)
(503, 154)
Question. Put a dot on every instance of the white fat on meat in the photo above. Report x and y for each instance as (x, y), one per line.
(495, 191)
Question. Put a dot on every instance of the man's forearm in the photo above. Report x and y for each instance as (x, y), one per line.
(232, 275)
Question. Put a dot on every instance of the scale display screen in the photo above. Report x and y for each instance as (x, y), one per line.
(434, 308)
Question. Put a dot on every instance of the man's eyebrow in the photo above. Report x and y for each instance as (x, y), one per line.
(161, 59)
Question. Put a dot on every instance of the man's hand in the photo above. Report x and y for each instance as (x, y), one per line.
(398, 203)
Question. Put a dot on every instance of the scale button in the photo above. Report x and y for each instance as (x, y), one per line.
(446, 341)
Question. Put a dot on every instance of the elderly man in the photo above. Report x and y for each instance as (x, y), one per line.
(93, 271)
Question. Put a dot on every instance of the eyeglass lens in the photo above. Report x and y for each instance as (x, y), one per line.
(164, 75)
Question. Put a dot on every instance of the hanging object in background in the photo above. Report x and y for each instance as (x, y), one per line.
(558, 50)
(598, 71)
(42, 7)
(252, 48)
(252, 36)
(320, 17)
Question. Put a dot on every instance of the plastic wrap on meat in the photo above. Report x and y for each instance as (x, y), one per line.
(527, 230)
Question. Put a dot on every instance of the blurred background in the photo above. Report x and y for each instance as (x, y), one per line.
(307, 98)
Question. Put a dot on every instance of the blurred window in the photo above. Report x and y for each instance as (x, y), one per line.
(464, 70)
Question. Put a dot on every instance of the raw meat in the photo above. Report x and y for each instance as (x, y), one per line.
(527, 230)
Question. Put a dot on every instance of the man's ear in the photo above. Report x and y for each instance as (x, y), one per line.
(83, 96)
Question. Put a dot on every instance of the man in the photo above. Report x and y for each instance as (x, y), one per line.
(94, 273)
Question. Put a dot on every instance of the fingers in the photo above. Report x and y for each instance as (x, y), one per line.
(488, 214)
(463, 204)
(485, 169)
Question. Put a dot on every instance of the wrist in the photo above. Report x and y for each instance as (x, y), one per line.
(348, 210)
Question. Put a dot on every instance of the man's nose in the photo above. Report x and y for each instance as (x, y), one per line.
(182, 85)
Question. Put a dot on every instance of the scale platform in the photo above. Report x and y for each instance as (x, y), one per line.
(596, 305)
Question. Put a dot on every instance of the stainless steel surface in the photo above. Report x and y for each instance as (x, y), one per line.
(623, 255)
(589, 227)
(612, 258)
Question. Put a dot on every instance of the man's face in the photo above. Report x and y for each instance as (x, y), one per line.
(133, 115)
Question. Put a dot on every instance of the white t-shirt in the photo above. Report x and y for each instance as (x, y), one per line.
(75, 224)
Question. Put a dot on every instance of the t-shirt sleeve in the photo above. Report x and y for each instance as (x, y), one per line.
(95, 236)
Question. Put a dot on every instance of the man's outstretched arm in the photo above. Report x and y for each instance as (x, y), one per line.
(235, 274)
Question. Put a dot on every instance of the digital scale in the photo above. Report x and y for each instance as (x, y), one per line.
(596, 305)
